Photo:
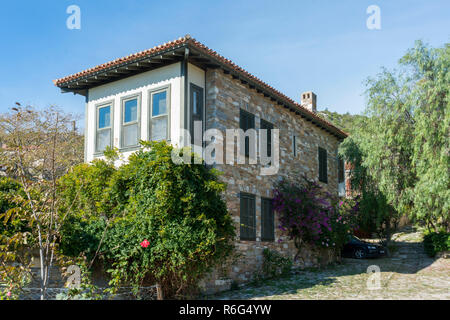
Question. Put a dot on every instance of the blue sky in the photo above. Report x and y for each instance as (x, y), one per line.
(294, 46)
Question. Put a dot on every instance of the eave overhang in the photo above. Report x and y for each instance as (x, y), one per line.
(199, 55)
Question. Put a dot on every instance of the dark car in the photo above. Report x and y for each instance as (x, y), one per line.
(358, 249)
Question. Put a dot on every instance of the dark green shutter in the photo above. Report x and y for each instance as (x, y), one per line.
(247, 217)
(269, 127)
(267, 220)
(246, 121)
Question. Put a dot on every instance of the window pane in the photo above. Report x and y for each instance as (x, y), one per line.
(159, 104)
(104, 117)
(131, 108)
(159, 129)
(130, 135)
(103, 139)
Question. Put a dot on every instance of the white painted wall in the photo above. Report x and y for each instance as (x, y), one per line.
(141, 83)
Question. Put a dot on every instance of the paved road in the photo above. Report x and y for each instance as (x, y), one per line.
(408, 274)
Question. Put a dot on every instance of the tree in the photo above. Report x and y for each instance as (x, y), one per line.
(404, 142)
(38, 148)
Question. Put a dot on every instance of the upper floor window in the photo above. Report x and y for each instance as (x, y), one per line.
(130, 122)
(341, 171)
(159, 115)
(294, 145)
(323, 166)
(269, 127)
(196, 110)
(103, 128)
(246, 122)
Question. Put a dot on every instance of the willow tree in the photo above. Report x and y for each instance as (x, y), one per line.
(404, 142)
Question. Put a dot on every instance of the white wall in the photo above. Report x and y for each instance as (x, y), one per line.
(141, 83)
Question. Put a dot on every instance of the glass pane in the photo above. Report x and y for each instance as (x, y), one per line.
(104, 117)
(159, 129)
(195, 103)
(103, 139)
(130, 135)
(131, 107)
(159, 104)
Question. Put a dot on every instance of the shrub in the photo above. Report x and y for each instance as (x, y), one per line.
(275, 264)
(151, 221)
(435, 242)
(310, 215)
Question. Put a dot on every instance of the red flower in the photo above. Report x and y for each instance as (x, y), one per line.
(145, 243)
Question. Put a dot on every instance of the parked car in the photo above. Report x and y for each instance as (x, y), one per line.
(359, 249)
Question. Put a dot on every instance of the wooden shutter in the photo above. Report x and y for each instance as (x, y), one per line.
(246, 121)
(323, 166)
(248, 217)
(341, 172)
(269, 127)
(267, 220)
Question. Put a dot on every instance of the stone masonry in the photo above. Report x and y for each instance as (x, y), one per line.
(225, 97)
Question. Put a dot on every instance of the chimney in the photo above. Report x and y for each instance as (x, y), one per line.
(309, 101)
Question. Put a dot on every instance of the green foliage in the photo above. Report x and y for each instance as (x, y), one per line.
(435, 242)
(178, 209)
(346, 122)
(404, 140)
(313, 216)
(274, 264)
(375, 213)
(10, 223)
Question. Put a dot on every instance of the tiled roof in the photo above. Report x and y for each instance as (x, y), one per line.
(190, 42)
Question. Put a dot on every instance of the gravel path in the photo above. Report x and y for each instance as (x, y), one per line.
(408, 274)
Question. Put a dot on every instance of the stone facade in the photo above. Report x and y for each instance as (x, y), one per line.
(225, 96)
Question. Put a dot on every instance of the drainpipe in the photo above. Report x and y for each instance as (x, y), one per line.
(184, 73)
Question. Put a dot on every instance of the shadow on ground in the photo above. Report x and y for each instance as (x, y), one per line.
(348, 279)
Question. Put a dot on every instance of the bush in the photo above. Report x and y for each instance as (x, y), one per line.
(435, 242)
(10, 223)
(310, 215)
(275, 264)
(150, 220)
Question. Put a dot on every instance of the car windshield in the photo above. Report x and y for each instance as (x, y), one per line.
(354, 239)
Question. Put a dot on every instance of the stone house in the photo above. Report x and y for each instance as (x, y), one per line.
(157, 94)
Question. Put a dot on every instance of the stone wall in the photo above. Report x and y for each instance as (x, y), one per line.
(225, 97)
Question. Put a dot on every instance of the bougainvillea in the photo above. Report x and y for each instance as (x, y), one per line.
(308, 214)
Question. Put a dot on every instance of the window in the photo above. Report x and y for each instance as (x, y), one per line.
(269, 127)
(196, 108)
(246, 122)
(103, 128)
(130, 122)
(248, 217)
(323, 174)
(294, 145)
(341, 172)
(267, 220)
(159, 115)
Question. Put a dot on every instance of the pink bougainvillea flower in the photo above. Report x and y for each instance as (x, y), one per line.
(145, 243)
(8, 294)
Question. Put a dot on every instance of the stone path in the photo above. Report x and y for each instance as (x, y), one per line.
(408, 274)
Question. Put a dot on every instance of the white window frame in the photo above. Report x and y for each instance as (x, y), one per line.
(123, 100)
(109, 104)
(151, 93)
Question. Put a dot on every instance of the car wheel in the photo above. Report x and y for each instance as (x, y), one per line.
(359, 253)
